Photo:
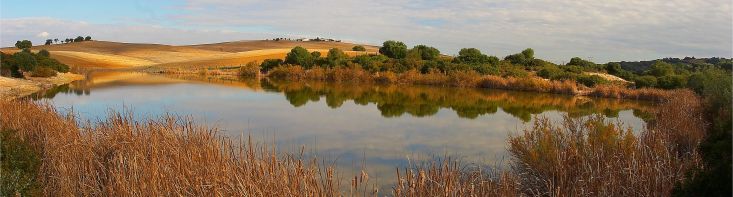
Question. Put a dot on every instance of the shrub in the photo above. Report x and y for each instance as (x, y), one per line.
(386, 78)
(25, 61)
(645, 81)
(269, 64)
(336, 57)
(591, 80)
(316, 54)
(393, 49)
(19, 167)
(299, 56)
(672, 81)
(42, 71)
(44, 53)
(358, 48)
(250, 70)
(426, 52)
(290, 72)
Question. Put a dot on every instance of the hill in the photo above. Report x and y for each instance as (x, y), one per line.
(104, 54)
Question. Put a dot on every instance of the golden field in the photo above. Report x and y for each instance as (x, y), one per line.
(103, 54)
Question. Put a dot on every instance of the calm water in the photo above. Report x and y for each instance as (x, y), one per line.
(382, 126)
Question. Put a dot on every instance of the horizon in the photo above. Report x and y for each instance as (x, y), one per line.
(636, 32)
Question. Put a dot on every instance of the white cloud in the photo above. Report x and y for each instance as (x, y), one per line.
(42, 35)
(556, 29)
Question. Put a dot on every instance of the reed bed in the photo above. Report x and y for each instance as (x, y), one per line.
(169, 156)
(580, 157)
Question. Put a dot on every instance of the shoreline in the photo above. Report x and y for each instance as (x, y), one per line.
(13, 88)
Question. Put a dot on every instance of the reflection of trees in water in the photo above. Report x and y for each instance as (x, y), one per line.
(420, 101)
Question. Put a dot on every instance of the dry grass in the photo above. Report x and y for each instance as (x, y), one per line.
(613, 91)
(580, 157)
(165, 157)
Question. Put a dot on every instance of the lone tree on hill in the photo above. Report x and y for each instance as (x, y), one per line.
(25, 44)
(88, 38)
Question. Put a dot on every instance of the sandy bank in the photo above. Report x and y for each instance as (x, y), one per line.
(11, 88)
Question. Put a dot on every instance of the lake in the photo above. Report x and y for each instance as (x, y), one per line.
(378, 127)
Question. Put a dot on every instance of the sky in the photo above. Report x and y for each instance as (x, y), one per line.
(557, 30)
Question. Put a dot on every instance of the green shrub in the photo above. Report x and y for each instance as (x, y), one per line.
(269, 64)
(25, 61)
(20, 165)
(645, 81)
(393, 49)
(358, 48)
(591, 80)
(299, 56)
(43, 71)
(672, 81)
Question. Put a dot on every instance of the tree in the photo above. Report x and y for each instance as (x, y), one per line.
(269, 64)
(299, 56)
(426, 52)
(25, 61)
(393, 49)
(79, 39)
(474, 56)
(56, 40)
(358, 48)
(316, 54)
(524, 58)
(335, 57)
(48, 42)
(25, 44)
(88, 38)
(613, 68)
(645, 81)
(660, 69)
(44, 53)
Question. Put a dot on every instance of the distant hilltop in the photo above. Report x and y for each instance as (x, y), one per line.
(317, 39)
(687, 62)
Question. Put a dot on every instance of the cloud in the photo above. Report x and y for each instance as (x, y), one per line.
(42, 35)
(25, 28)
(556, 29)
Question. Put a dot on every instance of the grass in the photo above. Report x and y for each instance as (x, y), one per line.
(166, 156)
(580, 157)
(464, 79)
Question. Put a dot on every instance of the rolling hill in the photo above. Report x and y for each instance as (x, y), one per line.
(104, 54)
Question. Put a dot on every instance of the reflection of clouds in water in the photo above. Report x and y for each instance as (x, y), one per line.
(350, 132)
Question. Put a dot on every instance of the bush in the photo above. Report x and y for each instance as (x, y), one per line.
(316, 54)
(645, 81)
(42, 71)
(20, 164)
(591, 80)
(358, 48)
(269, 64)
(44, 53)
(336, 57)
(25, 61)
(393, 49)
(672, 81)
(299, 56)
(250, 70)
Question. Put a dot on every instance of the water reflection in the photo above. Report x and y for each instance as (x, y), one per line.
(382, 126)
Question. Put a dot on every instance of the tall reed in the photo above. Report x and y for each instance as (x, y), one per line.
(169, 156)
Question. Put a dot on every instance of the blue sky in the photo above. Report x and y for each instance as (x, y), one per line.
(557, 29)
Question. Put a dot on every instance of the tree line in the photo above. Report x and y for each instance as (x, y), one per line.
(38, 64)
(68, 40)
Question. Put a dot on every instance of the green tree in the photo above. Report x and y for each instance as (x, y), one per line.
(474, 56)
(645, 81)
(48, 42)
(88, 38)
(316, 54)
(393, 49)
(426, 52)
(524, 58)
(79, 39)
(335, 57)
(25, 44)
(660, 68)
(25, 61)
(299, 56)
(614, 68)
(44, 53)
(269, 64)
(358, 48)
